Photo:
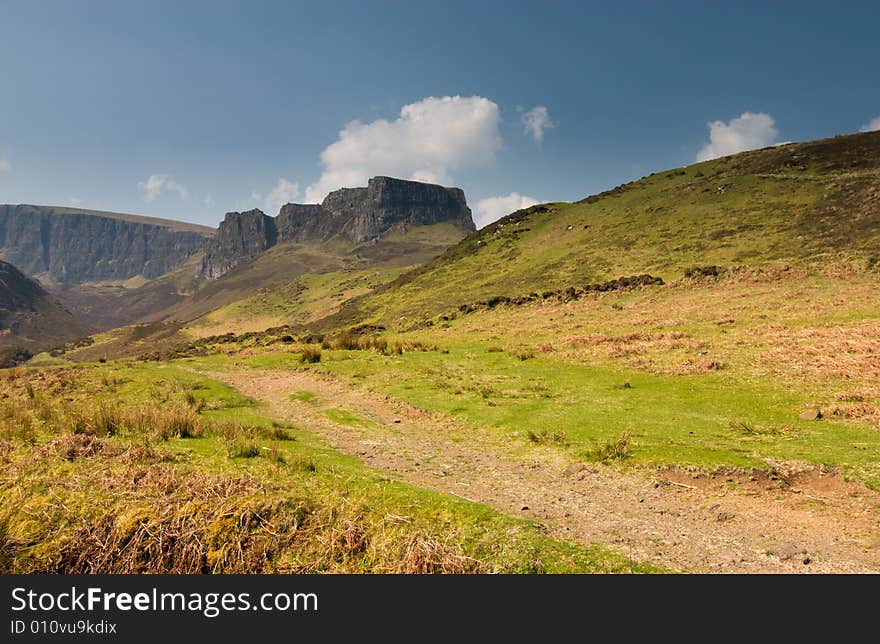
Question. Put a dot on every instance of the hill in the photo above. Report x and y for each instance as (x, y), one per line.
(804, 204)
(31, 320)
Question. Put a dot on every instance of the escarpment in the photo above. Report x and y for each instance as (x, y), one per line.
(357, 215)
(69, 245)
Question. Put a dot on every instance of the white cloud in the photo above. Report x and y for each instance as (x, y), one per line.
(208, 200)
(492, 208)
(748, 131)
(74, 201)
(871, 126)
(429, 139)
(284, 192)
(5, 165)
(535, 121)
(159, 183)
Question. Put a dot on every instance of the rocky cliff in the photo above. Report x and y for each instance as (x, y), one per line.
(70, 245)
(356, 214)
(31, 319)
(241, 235)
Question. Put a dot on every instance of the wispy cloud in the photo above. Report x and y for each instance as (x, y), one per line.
(535, 121)
(748, 131)
(871, 126)
(488, 210)
(5, 165)
(157, 184)
(429, 139)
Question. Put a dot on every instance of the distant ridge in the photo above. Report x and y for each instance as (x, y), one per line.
(173, 224)
(73, 245)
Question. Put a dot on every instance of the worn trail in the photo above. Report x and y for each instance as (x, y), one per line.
(803, 522)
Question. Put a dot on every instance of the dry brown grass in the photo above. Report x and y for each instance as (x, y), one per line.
(864, 411)
(847, 351)
(424, 554)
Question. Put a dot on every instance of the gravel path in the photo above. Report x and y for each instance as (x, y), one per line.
(804, 522)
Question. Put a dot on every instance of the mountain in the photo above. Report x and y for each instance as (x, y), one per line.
(112, 269)
(69, 245)
(356, 215)
(31, 319)
(806, 204)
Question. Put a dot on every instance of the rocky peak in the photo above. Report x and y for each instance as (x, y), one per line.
(241, 235)
(356, 214)
(369, 212)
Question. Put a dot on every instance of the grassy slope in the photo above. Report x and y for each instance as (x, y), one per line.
(107, 305)
(31, 319)
(798, 203)
(711, 374)
(115, 497)
(288, 284)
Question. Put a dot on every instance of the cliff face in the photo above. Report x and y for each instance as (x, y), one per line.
(76, 246)
(356, 214)
(241, 235)
(304, 223)
(368, 212)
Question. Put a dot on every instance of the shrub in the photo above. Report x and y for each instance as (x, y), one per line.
(524, 354)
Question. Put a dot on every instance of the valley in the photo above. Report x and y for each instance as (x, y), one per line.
(677, 375)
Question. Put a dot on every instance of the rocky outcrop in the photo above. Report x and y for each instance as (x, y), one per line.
(304, 223)
(71, 246)
(241, 235)
(355, 214)
(365, 213)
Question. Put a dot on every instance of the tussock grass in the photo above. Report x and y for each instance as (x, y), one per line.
(547, 437)
(616, 449)
(310, 355)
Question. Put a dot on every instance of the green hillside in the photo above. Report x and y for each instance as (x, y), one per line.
(289, 284)
(798, 203)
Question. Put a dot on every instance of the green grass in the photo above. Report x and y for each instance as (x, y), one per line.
(303, 396)
(292, 466)
(680, 420)
(348, 418)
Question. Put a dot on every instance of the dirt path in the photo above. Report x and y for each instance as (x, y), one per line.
(807, 522)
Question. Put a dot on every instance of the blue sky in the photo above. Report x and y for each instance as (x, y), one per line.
(189, 109)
